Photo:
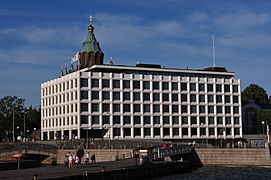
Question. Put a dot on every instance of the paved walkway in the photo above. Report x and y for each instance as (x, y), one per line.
(61, 171)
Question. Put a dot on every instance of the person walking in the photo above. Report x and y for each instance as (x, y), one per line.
(93, 160)
(87, 158)
(77, 160)
(66, 161)
(70, 161)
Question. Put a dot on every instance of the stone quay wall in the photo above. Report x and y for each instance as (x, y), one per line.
(235, 157)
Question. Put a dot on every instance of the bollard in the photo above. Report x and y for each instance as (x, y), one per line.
(181, 159)
(85, 173)
(103, 169)
(35, 177)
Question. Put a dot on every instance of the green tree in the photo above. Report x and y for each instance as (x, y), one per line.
(256, 93)
(263, 115)
(8, 105)
(33, 118)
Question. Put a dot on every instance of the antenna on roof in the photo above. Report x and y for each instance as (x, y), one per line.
(213, 38)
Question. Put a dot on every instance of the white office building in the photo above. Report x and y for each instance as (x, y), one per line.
(139, 102)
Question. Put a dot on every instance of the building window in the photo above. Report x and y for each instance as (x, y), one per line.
(227, 88)
(194, 132)
(218, 99)
(126, 108)
(202, 131)
(106, 107)
(175, 98)
(236, 109)
(116, 120)
(211, 120)
(83, 82)
(202, 98)
(136, 96)
(137, 108)
(219, 120)
(184, 98)
(185, 131)
(146, 120)
(235, 99)
(201, 87)
(227, 99)
(95, 120)
(228, 120)
(137, 132)
(202, 109)
(235, 88)
(237, 131)
(236, 121)
(211, 131)
(184, 120)
(116, 84)
(166, 132)
(174, 86)
(126, 84)
(218, 88)
(218, 109)
(227, 109)
(192, 87)
(156, 108)
(95, 107)
(193, 98)
(116, 108)
(84, 119)
(147, 131)
(210, 88)
(146, 96)
(126, 96)
(106, 95)
(210, 98)
(165, 108)
(193, 109)
(156, 131)
(146, 85)
(184, 109)
(175, 131)
(156, 120)
(175, 109)
(165, 120)
(127, 120)
(165, 97)
(137, 120)
(175, 120)
(84, 95)
(116, 96)
(155, 85)
(165, 86)
(94, 83)
(202, 120)
(183, 86)
(105, 83)
(116, 132)
(210, 109)
(136, 84)
(156, 97)
(95, 95)
(105, 120)
(194, 120)
(146, 108)
(84, 107)
(126, 132)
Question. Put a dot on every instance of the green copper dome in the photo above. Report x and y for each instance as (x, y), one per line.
(90, 44)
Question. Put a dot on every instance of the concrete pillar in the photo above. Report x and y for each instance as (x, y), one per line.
(41, 135)
(48, 135)
(70, 134)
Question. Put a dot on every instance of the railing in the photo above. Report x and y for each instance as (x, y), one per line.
(161, 152)
(123, 156)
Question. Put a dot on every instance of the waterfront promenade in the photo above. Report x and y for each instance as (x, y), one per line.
(51, 172)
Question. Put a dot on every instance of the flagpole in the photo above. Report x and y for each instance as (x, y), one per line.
(213, 38)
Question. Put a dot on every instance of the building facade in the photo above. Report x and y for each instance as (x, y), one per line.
(139, 102)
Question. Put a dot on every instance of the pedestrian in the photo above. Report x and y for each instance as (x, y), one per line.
(87, 158)
(77, 161)
(73, 159)
(93, 159)
(66, 161)
(70, 161)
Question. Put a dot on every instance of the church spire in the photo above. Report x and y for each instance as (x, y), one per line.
(91, 52)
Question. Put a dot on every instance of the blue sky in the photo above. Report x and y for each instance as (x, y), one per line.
(38, 37)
